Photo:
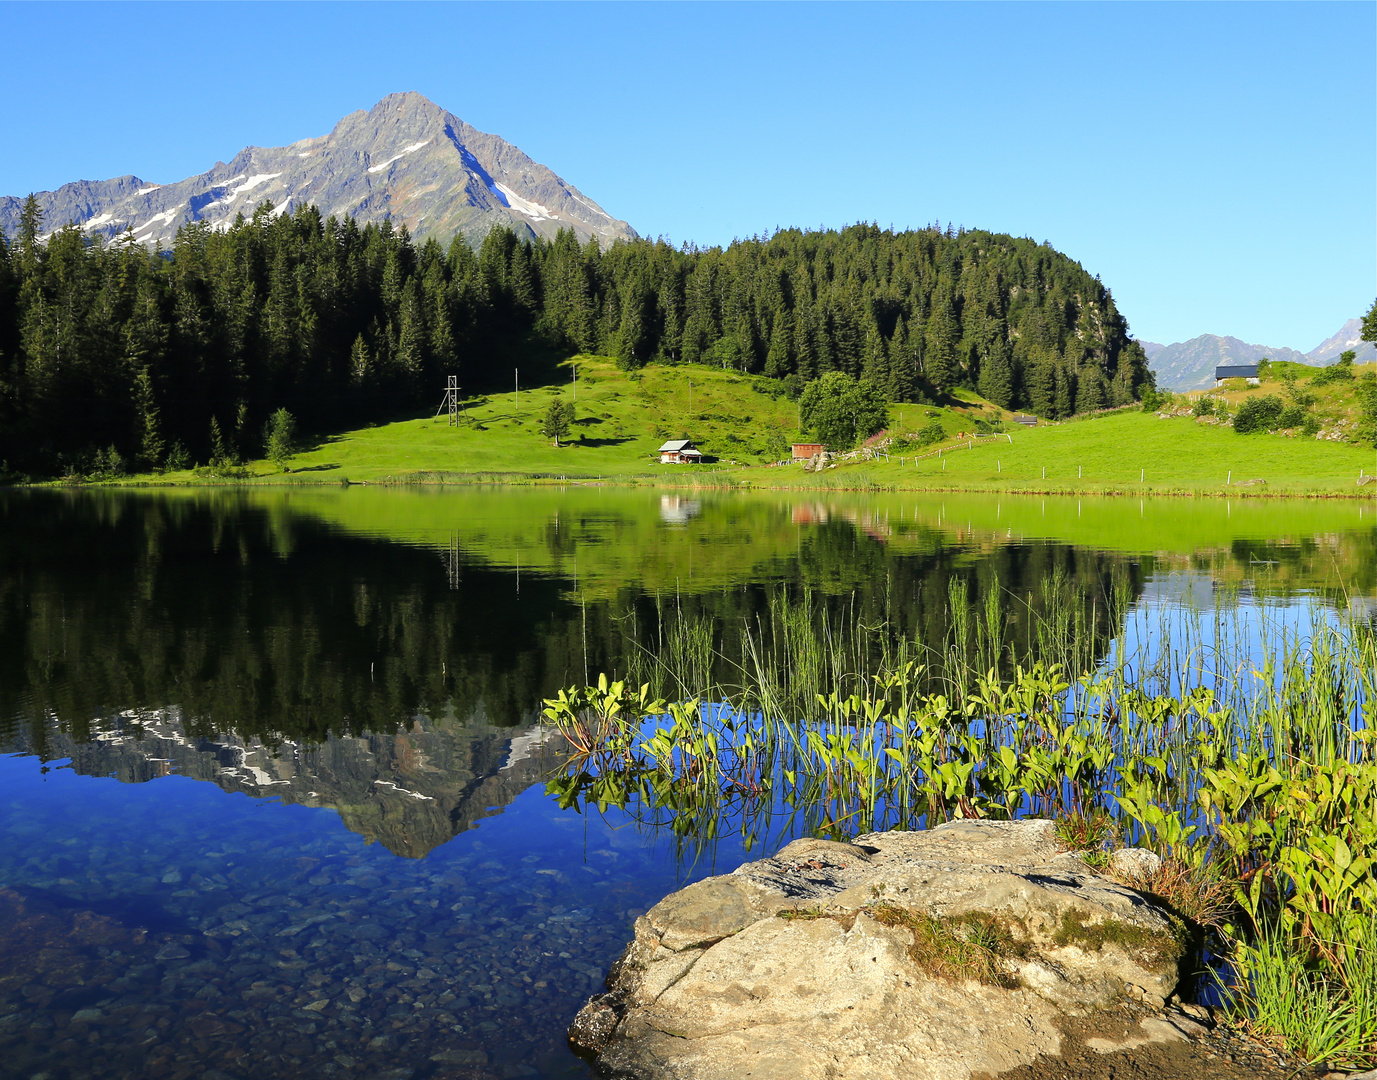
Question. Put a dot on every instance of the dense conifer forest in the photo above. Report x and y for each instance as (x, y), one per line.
(112, 355)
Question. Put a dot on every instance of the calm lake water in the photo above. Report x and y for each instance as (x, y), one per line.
(272, 793)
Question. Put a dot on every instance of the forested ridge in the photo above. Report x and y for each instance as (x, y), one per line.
(185, 354)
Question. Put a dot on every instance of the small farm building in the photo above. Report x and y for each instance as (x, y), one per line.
(680, 452)
(1236, 371)
(806, 451)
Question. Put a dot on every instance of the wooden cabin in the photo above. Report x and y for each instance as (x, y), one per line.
(680, 452)
(806, 451)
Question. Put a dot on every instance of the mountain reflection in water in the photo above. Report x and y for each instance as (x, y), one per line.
(410, 790)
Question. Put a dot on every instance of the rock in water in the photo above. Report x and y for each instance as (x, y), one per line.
(926, 956)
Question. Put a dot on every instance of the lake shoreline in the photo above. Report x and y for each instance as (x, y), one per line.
(486, 479)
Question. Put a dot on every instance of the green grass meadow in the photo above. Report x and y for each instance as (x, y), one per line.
(1132, 452)
(746, 424)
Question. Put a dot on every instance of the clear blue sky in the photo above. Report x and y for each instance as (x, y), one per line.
(1215, 164)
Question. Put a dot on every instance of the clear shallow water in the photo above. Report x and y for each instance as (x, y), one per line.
(167, 928)
(271, 798)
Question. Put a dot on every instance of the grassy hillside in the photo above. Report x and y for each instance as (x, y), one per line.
(621, 419)
(747, 423)
(1139, 453)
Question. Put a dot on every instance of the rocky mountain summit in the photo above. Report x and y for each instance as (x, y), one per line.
(405, 160)
(937, 955)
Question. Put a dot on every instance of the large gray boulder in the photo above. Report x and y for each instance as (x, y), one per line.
(927, 956)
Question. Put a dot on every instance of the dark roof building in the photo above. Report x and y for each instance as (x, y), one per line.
(1235, 371)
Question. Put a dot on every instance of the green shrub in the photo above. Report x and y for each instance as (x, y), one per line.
(1204, 406)
(1342, 371)
(1293, 416)
(1157, 400)
(1258, 414)
(932, 432)
(177, 458)
(1367, 400)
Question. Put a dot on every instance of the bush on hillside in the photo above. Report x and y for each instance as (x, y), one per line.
(1157, 400)
(1367, 400)
(1342, 371)
(930, 433)
(1293, 416)
(1258, 414)
(1204, 406)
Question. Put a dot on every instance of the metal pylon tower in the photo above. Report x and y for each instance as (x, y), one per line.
(451, 401)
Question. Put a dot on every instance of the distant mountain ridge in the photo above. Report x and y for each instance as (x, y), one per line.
(405, 160)
(1189, 365)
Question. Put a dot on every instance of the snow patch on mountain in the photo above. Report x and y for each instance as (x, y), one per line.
(397, 157)
(513, 201)
(254, 181)
(165, 217)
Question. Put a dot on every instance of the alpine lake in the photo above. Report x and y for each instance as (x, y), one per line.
(276, 799)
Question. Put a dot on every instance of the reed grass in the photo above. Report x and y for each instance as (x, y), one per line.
(1238, 744)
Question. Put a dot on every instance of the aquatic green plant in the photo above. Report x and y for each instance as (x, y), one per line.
(1250, 771)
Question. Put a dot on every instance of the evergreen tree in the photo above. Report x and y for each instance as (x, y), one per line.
(219, 451)
(279, 438)
(942, 335)
(559, 415)
(360, 363)
(777, 359)
(903, 364)
(996, 380)
(151, 445)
